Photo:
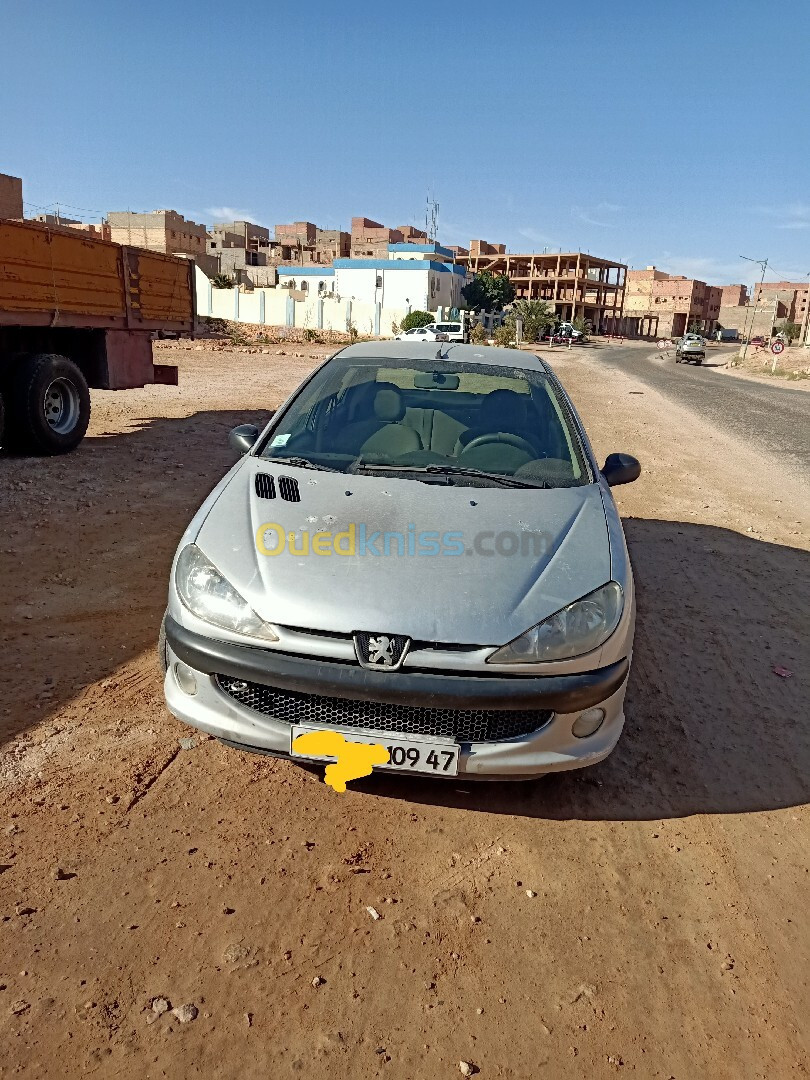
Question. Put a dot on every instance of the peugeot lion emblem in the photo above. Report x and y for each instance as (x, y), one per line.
(380, 650)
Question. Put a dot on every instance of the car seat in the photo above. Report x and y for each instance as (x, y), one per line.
(381, 433)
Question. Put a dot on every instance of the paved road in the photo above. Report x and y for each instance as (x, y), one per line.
(775, 417)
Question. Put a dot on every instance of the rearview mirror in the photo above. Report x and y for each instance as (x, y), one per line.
(621, 469)
(242, 438)
(436, 380)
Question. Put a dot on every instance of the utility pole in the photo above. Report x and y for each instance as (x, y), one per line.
(764, 264)
(803, 333)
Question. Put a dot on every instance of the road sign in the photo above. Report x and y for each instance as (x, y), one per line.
(777, 347)
(664, 343)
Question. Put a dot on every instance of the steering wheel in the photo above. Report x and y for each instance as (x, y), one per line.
(502, 437)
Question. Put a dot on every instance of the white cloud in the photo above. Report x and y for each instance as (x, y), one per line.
(787, 215)
(709, 269)
(228, 213)
(601, 214)
(537, 237)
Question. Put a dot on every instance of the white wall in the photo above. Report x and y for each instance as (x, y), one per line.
(312, 282)
(419, 288)
(275, 307)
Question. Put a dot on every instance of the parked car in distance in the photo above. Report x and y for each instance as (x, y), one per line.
(759, 341)
(454, 331)
(567, 330)
(691, 349)
(422, 333)
(508, 662)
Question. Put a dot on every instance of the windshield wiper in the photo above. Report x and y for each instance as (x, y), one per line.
(453, 470)
(301, 463)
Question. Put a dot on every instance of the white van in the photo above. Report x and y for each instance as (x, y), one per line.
(453, 330)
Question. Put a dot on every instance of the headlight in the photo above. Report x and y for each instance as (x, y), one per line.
(207, 593)
(573, 631)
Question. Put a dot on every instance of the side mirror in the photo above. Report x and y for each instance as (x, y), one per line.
(242, 438)
(621, 469)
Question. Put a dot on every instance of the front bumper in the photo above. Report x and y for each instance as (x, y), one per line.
(552, 748)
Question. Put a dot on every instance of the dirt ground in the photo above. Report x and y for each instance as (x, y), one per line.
(666, 934)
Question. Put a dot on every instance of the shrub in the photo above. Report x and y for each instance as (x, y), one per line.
(478, 334)
(222, 281)
(417, 318)
(310, 334)
(505, 337)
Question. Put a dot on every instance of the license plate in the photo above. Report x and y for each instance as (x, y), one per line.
(404, 755)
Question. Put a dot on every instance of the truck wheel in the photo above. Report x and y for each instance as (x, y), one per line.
(50, 403)
(699, 360)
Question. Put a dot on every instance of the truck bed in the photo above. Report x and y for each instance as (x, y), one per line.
(60, 278)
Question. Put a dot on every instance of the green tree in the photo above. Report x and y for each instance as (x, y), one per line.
(415, 319)
(222, 281)
(488, 292)
(537, 318)
(791, 330)
(583, 325)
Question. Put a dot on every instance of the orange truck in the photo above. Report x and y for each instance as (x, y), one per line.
(79, 312)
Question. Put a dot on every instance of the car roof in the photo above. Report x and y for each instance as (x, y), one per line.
(487, 355)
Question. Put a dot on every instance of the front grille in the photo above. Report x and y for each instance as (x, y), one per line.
(460, 725)
(288, 489)
(265, 486)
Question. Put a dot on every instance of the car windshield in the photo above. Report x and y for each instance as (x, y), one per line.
(434, 421)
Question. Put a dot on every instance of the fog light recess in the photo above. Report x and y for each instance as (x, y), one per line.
(186, 679)
(588, 723)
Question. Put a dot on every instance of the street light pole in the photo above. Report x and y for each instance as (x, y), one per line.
(764, 264)
(803, 334)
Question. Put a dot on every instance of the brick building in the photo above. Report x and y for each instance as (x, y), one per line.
(790, 299)
(11, 200)
(733, 295)
(657, 304)
(162, 230)
(574, 284)
(370, 239)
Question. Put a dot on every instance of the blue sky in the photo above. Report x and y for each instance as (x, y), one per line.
(673, 134)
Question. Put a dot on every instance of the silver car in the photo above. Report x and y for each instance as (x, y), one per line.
(418, 551)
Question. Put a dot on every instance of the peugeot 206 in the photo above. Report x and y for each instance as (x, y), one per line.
(421, 551)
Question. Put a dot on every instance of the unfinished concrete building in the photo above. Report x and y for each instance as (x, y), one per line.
(370, 239)
(576, 285)
(657, 304)
(11, 200)
(309, 246)
(790, 297)
(162, 230)
(733, 295)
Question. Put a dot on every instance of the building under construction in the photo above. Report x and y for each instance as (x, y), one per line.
(578, 286)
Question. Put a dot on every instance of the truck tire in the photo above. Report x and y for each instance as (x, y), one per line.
(50, 404)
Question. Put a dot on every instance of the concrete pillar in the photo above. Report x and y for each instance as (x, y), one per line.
(289, 315)
(377, 316)
(319, 314)
(236, 304)
(348, 315)
(262, 299)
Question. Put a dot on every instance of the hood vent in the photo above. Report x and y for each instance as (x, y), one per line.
(288, 489)
(265, 486)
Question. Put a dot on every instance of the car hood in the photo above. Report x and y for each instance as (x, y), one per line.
(524, 553)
